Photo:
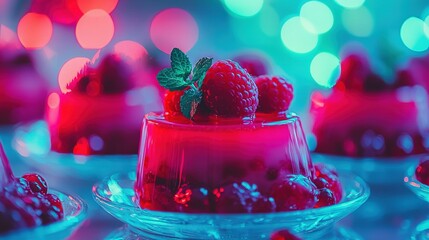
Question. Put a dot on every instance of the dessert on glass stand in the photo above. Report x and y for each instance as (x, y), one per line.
(227, 160)
(374, 129)
(29, 210)
(93, 127)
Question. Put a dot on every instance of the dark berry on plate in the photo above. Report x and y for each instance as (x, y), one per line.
(294, 192)
(331, 176)
(37, 183)
(325, 197)
(422, 171)
(193, 200)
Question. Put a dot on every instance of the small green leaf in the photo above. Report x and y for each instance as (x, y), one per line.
(169, 80)
(200, 70)
(189, 102)
(180, 63)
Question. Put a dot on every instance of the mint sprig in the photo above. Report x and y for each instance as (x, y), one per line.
(178, 77)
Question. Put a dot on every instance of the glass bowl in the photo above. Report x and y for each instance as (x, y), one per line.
(384, 176)
(75, 211)
(116, 195)
(32, 142)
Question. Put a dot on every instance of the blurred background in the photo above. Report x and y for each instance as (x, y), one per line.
(303, 40)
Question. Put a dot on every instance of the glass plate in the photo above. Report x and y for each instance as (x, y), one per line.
(32, 142)
(116, 195)
(75, 211)
(389, 196)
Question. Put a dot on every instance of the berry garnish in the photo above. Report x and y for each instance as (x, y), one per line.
(422, 171)
(330, 175)
(37, 183)
(325, 197)
(283, 235)
(172, 102)
(294, 192)
(242, 198)
(178, 78)
(354, 69)
(111, 76)
(229, 91)
(275, 94)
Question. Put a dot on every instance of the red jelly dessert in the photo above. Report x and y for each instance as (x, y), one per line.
(101, 114)
(216, 150)
(23, 91)
(364, 116)
(25, 201)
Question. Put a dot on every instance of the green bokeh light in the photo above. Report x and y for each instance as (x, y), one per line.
(244, 8)
(358, 22)
(325, 69)
(319, 15)
(298, 35)
(413, 34)
(350, 3)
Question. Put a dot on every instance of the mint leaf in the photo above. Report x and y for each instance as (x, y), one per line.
(189, 102)
(200, 70)
(180, 63)
(168, 79)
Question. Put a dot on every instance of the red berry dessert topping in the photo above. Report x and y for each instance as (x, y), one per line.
(327, 177)
(283, 235)
(422, 171)
(223, 89)
(275, 94)
(294, 192)
(172, 102)
(25, 203)
(229, 91)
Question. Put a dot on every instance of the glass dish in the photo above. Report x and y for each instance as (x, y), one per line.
(75, 211)
(33, 145)
(116, 195)
(389, 196)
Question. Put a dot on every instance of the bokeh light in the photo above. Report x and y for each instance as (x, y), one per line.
(172, 28)
(325, 69)
(34, 30)
(130, 49)
(95, 29)
(69, 71)
(350, 3)
(319, 15)
(53, 100)
(244, 8)
(106, 5)
(413, 34)
(298, 35)
(358, 22)
(59, 11)
(269, 21)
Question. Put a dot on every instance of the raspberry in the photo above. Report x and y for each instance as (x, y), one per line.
(331, 176)
(242, 198)
(55, 202)
(275, 94)
(404, 78)
(172, 102)
(422, 171)
(253, 64)
(229, 91)
(325, 197)
(283, 235)
(37, 183)
(294, 192)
